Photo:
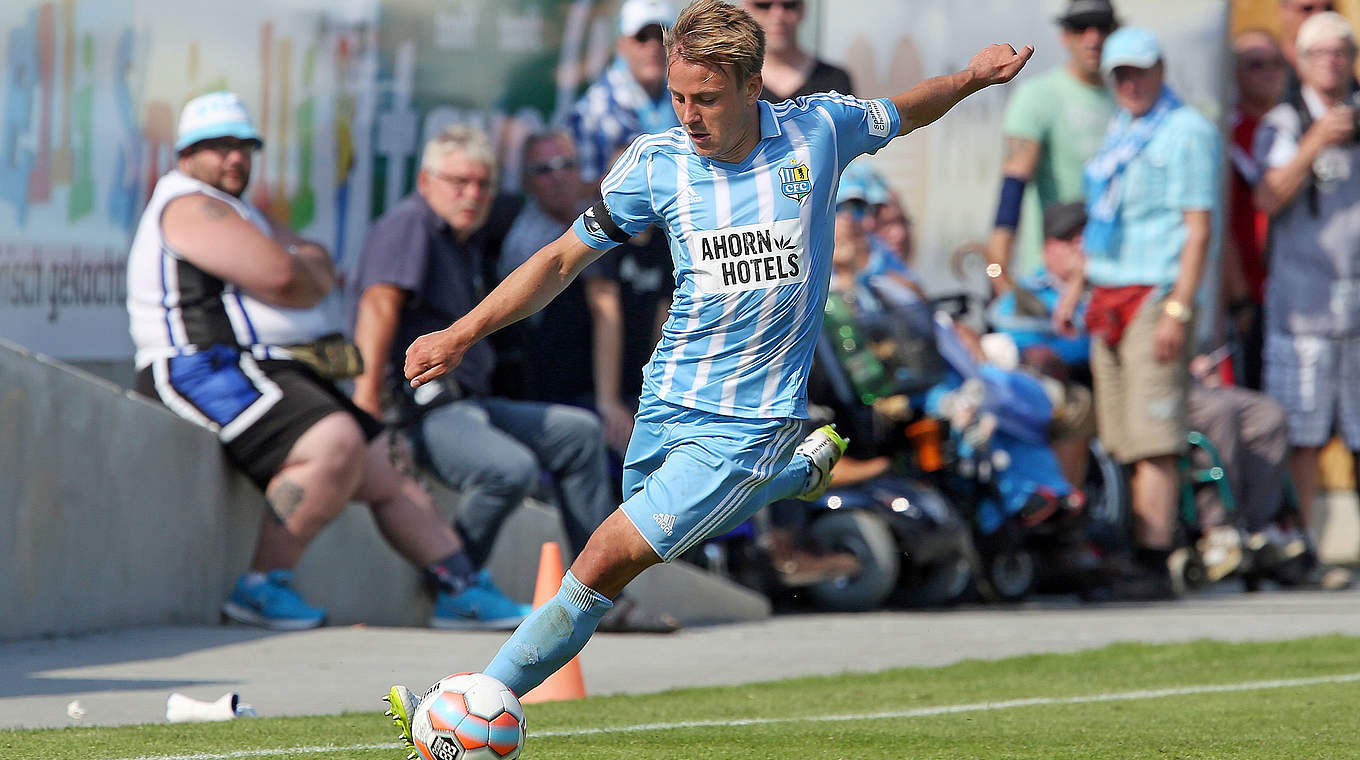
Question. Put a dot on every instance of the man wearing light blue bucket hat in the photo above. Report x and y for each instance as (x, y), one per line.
(1152, 201)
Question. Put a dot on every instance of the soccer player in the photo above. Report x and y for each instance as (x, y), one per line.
(745, 191)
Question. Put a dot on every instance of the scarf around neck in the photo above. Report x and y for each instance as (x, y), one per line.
(1125, 139)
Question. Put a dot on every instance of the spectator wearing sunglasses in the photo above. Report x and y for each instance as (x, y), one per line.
(1052, 125)
(629, 98)
(789, 71)
(573, 346)
(1259, 68)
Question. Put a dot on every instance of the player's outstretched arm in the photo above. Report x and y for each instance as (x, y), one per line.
(526, 290)
(932, 98)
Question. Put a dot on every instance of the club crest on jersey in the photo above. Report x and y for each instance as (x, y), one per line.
(795, 182)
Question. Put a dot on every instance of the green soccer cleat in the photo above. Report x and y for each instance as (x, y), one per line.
(401, 706)
(823, 448)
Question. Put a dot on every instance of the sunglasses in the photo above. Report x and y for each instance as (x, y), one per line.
(649, 33)
(1262, 63)
(1080, 28)
(788, 5)
(856, 207)
(551, 165)
(225, 145)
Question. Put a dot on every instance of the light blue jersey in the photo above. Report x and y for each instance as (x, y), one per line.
(751, 243)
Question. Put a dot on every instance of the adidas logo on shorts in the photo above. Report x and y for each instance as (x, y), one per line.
(667, 522)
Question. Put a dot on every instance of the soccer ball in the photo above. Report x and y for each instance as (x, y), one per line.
(468, 716)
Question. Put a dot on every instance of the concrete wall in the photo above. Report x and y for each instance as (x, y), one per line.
(118, 513)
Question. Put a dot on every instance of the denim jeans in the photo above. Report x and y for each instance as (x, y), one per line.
(492, 451)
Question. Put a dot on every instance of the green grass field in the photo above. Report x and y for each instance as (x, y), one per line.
(1266, 701)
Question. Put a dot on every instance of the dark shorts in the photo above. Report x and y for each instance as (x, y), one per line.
(258, 409)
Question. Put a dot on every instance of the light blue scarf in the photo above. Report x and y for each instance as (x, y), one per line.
(1125, 139)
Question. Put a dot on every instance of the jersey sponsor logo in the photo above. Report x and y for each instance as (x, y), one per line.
(749, 257)
(795, 181)
(879, 123)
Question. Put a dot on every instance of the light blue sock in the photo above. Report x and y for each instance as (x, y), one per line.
(549, 637)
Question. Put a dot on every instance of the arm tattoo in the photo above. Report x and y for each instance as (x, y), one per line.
(214, 209)
(284, 498)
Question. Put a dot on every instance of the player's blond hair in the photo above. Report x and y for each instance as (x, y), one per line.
(718, 34)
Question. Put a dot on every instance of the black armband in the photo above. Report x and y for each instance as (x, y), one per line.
(597, 219)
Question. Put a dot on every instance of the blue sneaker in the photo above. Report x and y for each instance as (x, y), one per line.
(480, 606)
(271, 603)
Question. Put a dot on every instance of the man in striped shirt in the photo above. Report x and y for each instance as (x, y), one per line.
(746, 193)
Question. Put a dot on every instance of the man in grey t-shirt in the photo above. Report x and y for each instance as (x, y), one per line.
(1311, 189)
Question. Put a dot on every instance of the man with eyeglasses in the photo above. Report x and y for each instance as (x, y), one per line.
(1310, 188)
(1052, 124)
(219, 296)
(629, 98)
(789, 71)
(422, 265)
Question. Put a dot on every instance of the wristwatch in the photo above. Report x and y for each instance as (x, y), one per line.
(1178, 311)
(994, 270)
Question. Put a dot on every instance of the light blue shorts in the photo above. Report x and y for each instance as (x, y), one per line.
(689, 475)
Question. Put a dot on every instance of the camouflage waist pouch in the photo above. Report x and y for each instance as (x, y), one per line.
(332, 357)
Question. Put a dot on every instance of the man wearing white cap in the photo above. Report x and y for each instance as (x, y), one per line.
(629, 98)
(1311, 190)
(222, 302)
(1152, 200)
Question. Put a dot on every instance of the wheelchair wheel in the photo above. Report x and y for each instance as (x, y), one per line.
(868, 537)
(1012, 572)
(1107, 499)
(1187, 570)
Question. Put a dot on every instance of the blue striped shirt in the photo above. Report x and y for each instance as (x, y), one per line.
(751, 243)
(610, 113)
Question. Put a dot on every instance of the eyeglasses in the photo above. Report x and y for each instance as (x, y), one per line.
(461, 184)
(551, 165)
(1330, 52)
(788, 5)
(649, 33)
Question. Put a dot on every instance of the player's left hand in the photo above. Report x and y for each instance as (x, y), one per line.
(431, 356)
(996, 64)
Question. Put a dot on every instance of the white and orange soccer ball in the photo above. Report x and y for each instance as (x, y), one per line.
(468, 716)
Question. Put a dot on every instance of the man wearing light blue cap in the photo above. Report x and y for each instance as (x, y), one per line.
(1152, 201)
(222, 302)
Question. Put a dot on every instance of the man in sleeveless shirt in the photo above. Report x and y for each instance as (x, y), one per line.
(216, 293)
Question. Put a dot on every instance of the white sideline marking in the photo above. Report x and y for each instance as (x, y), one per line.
(919, 712)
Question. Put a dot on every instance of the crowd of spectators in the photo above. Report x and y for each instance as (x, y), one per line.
(1112, 206)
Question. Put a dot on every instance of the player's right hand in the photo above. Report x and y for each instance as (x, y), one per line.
(996, 64)
(432, 355)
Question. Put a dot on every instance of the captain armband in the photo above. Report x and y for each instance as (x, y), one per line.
(1008, 208)
(598, 218)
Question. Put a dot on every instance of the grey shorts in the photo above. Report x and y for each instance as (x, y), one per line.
(1317, 380)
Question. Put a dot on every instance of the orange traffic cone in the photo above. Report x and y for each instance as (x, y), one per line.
(567, 682)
